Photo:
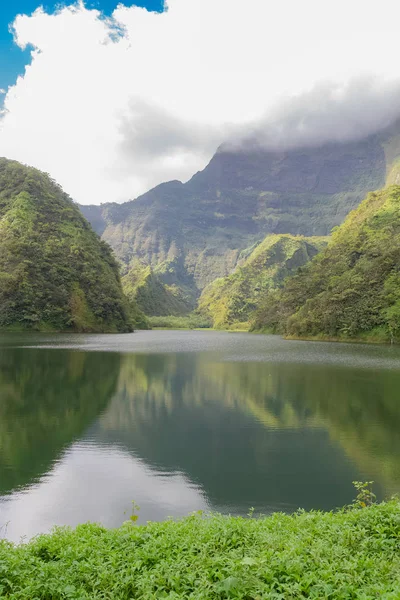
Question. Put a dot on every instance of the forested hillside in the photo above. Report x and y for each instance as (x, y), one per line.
(55, 273)
(147, 288)
(200, 228)
(233, 299)
(352, 288)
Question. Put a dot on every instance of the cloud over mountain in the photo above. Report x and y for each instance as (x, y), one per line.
(111, 107)
(328, 112)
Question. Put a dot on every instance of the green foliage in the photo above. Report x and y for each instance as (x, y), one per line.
(365, 496)
(135, 509)
(351, 290)
(145, 287)
(232, 300)
(138, 319)
(192, 321)
(55, 273)
(348, 554)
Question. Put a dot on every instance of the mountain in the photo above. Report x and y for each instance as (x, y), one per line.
(351, 290)
(199, 228)
(55, 273)
(233, 299)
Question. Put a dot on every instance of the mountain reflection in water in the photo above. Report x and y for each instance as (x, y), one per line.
(236, 421)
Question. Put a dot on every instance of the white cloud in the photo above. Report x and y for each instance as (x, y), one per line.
(109, 119)
(326, 113)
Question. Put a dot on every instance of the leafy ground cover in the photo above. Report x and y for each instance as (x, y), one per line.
(352, 553)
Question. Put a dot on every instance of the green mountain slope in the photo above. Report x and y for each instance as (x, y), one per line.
(233, 299)
(145, 286)
(201, 227)
(55, 273)
(352, 288)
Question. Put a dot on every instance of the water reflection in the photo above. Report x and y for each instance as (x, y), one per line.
(47, 400)
(359, 408)
(95, 483)
(274, 436)
(82, 434)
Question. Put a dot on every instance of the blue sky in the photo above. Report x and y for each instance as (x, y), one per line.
(12, 59)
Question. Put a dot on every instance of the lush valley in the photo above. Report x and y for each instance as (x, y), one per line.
(220, 245)
(200, 228)
(199, 300)
(351, 290)
(214, 251)
(55, 273)
(232, 300)
(224, 243)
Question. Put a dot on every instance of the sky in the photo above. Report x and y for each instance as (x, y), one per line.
(12, 58)
(111, 100)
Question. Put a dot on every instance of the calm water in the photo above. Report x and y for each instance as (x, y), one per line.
(181, 421)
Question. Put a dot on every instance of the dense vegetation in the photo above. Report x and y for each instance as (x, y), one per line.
(199, 228)
(190, 321)
(145, 287)
(353, 553)
(233, 299)
(352, 288)
(55, 273)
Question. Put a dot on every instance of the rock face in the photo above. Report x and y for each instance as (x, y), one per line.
(55, 272)
(352, 288)
(200, 227)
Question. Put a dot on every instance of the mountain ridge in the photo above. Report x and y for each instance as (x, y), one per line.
(240, 197)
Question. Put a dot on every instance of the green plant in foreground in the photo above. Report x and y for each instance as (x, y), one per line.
(365, 496)
(349, 554)
(135, 509)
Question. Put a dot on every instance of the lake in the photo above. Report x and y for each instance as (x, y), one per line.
(179, 421)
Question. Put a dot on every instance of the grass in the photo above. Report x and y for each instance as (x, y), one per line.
(349, 554)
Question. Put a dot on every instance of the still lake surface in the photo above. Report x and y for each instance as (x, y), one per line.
(185, 420)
